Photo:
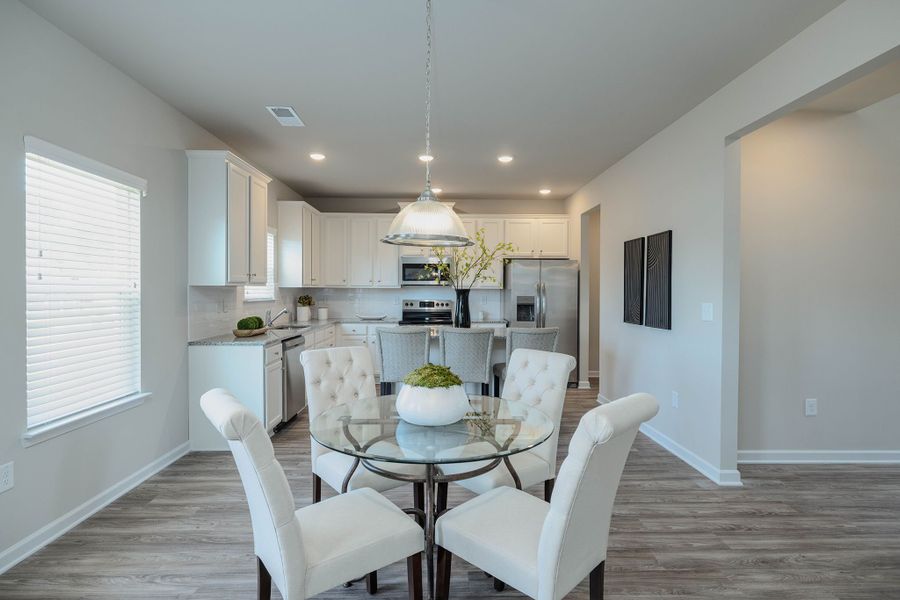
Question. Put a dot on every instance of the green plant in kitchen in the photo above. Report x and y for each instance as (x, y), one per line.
(305, 300)
(463, 267)
(249, 323)
(432, 376)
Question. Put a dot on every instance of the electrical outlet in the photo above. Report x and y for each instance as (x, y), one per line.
(6, 477)
(812, 407)
(706, 311)
(675, 400)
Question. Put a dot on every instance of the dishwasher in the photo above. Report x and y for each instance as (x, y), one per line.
(294, 395)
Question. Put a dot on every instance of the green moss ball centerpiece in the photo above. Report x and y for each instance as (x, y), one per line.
(432, 395)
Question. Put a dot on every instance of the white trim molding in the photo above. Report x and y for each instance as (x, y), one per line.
(822, 457)
(46, 534)
(722, 477)
(48, 431)
(584, 385)
(59, 154)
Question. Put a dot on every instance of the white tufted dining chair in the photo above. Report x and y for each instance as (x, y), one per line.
(538, 379)
(318, 547)
(546, 549)
(341, 376)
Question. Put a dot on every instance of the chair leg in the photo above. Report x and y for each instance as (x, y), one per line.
(317, 488)
(485, 389)
(443, 489)
(442, 585)
(548, 489)
(372, 583)
(496, 386)
(419, 500)
(386, 388)
(499, 585)
(414, 576)
(263, 581)
(597, 582)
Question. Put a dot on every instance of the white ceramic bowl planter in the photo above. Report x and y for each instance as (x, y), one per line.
(432, 406)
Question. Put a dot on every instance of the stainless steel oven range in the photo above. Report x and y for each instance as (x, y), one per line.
(427, 312)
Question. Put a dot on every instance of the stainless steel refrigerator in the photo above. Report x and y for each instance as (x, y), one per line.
(544, 293)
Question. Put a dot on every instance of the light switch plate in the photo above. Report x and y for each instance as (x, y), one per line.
(706, 311)
(6, 477)
(676, 400)
(811, 407)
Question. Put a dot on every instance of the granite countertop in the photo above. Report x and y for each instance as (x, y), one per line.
(276, 336)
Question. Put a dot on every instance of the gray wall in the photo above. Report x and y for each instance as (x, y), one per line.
(677, 180)
(820, 233)
(57, 90)
(537, 205)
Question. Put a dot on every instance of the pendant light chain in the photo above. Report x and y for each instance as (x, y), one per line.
(428, 91)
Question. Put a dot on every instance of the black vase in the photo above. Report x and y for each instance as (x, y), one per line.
(461, 317)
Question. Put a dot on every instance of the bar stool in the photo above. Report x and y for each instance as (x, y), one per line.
(468, 353)
(540, 338)
(401, 350)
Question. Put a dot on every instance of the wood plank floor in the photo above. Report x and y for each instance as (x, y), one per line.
(810, 532)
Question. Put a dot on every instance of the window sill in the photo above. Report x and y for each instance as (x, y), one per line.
(251, 301)
(42, 433)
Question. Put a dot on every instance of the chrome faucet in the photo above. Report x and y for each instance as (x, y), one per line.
(269, 321)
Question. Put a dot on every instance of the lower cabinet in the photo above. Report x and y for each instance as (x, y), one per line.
(365, 336)
(251, 372)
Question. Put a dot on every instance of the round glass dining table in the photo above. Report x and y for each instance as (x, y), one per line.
(371, 431)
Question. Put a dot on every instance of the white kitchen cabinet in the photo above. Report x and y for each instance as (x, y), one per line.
(493, 235)
(364, 336)
(387, 256)
(334, 250)
(360, 250)
(227, 219)
(299, 245)
(553, 237)
(274, 387)
(520, 233)
(546, 237)
(372, 262)
(242, 369)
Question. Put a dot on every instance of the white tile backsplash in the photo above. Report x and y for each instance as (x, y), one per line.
(216, 310)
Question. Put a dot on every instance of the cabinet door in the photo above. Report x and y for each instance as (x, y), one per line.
(334, 251)
(238, 224)
(360, 249)
(259, 221)
(520, 233)
(315, 244)
(493, 235)
(274, 389)
(387, 257)
(553, 237)
(306, 245)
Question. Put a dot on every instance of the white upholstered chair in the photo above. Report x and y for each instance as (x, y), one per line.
(310, 550)
(341, 376)
(546, 549)
(539, 379)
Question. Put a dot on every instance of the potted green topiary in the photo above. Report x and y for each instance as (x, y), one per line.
(249, 326)
(432, 395)
(304, 308)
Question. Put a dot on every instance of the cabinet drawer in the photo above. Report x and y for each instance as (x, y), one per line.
(273, 354)
(323, 334)
(353, 328)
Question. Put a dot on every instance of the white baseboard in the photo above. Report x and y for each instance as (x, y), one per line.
(584, 385)
(723, 477)
(824, 457)
(46, 534)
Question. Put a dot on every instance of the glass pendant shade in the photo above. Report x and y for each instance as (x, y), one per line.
(427, 222)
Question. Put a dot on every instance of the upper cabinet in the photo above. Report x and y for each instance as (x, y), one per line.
(227, 219)
(372, 263)
(542, 237)
(334, 250)
(493, 235)
(299, 245)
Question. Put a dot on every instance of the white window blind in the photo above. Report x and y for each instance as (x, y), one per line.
(259, 293)
(83, 273)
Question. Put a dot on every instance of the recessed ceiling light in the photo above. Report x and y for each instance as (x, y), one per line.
(545, 191)
(505, 158)
(437, 190)
(426, 157)
(317, 156)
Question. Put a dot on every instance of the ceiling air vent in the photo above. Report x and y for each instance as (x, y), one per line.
(285, 115)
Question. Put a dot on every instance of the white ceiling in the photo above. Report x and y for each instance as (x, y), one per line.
(567, 87)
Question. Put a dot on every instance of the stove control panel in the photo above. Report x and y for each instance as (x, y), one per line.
(427, 304)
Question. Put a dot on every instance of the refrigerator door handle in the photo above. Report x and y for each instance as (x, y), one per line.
(543, 304)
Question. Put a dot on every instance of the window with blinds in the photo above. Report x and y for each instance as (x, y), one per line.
(83, 275)
(259, 293)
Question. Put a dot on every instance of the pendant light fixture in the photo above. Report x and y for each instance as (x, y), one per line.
(427, 222)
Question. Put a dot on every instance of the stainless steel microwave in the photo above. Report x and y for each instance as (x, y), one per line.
(414, 271)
